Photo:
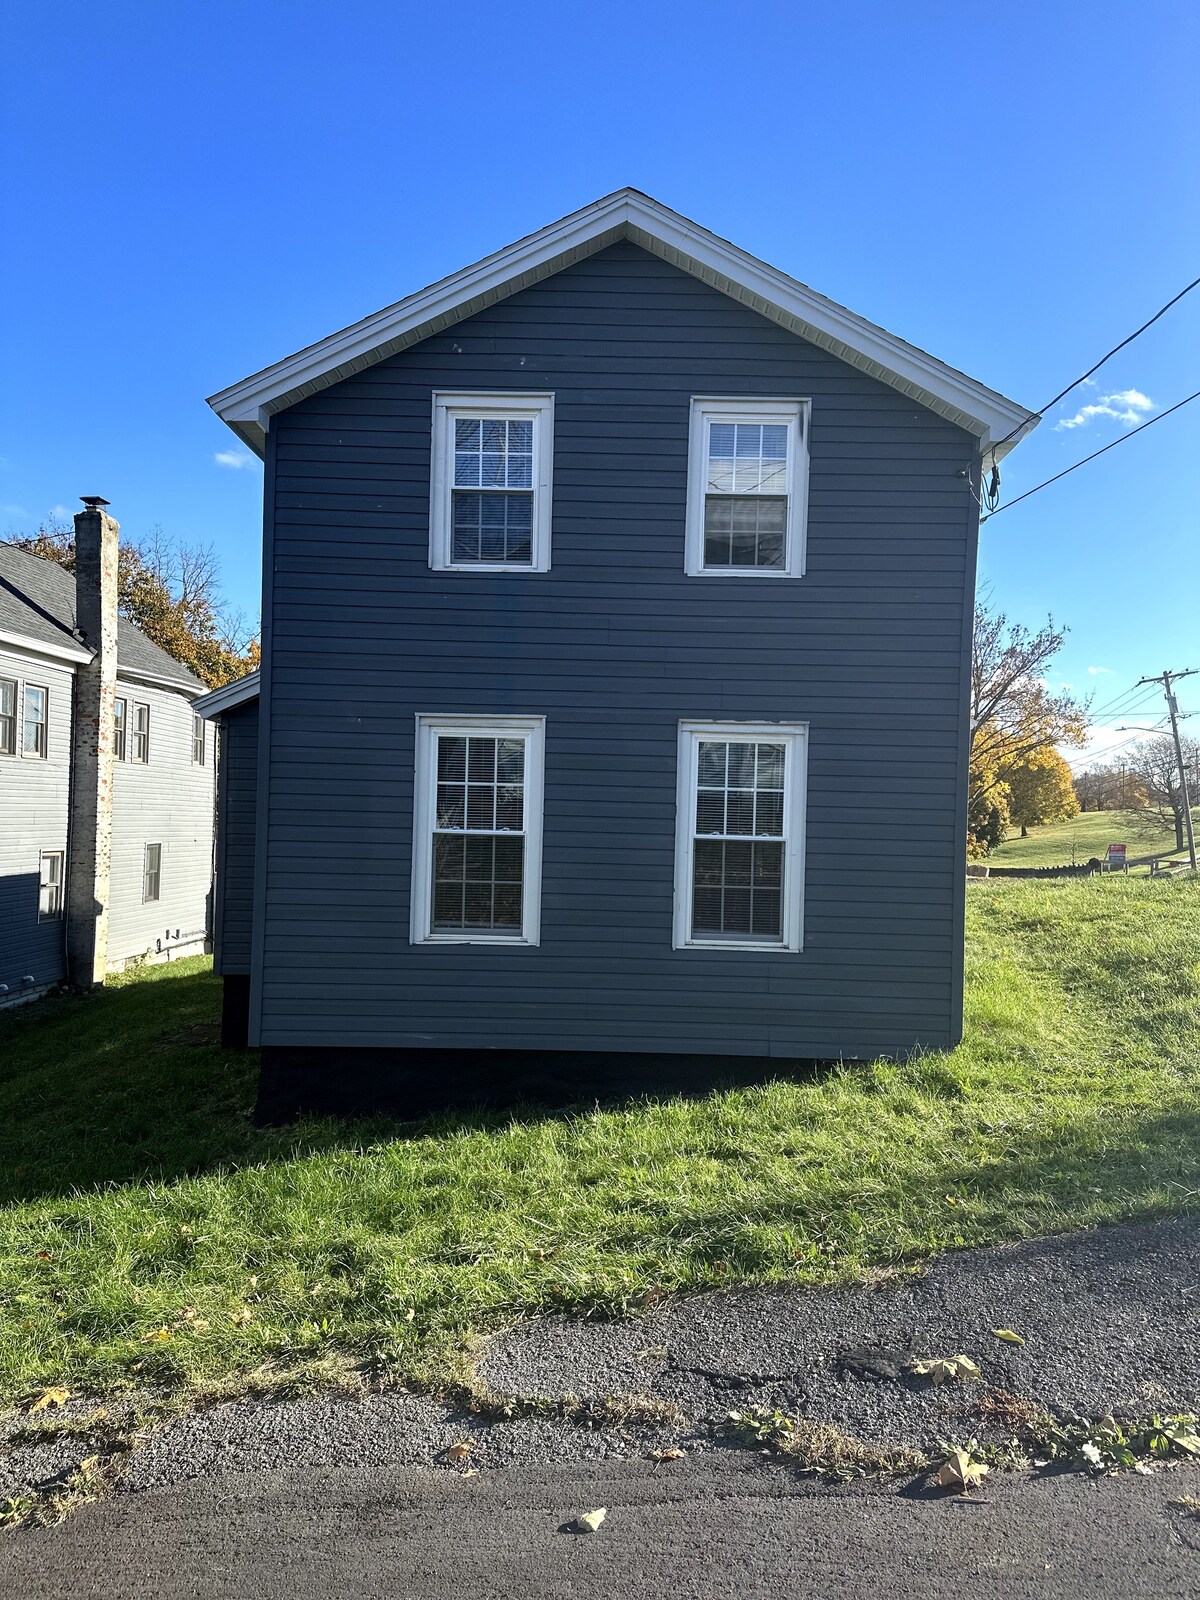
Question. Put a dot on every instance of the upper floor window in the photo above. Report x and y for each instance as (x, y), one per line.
(490, 482)
(477, 836)
(198, 740)
(8, 716)
(747, 488)
(141, 732)
(120, 727)
(740, 842)
(37, 701)
(50, 886)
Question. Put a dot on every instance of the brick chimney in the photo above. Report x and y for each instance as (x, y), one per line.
(93, 739)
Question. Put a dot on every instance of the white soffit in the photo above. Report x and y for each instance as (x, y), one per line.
(227, 696)
(998, 423)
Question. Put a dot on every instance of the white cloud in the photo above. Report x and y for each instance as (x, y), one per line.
(1095, 672)
(236, 459)
(1126, 405)
(61, 513)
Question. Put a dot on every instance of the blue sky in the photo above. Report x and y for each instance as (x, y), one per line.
(195, 191)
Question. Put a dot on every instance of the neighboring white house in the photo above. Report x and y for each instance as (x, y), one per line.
(107, 779)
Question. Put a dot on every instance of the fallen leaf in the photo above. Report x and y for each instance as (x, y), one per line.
(674, 1454)
(958, 1471)
(945, 1369)
(244, 1315)
(458, 1452)
(43, 1255)
(156, 1336)
(1091, 1453)
(50, 1397)
(409, 1314)
(591, 1520)
(1008, 1336)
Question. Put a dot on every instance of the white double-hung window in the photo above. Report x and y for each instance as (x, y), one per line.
(747, 488)
(477, 830)
(739, 852)
(490, 482)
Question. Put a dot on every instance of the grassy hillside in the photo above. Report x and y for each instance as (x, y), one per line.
(151, 1236)
(1089, 834)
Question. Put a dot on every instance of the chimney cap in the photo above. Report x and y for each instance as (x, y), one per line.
(93, 501)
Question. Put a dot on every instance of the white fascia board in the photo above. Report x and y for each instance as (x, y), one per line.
(227, 696)
(158, 681)
(40, 647)
(997, 422)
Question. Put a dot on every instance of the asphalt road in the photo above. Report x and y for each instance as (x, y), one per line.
(714, 1525)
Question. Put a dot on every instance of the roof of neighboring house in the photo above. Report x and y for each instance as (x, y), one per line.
(37, 604)
(229, 695)
(998, 423)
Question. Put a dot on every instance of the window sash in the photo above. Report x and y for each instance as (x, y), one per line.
(490, 499)
(746, 503)
(198, 741)
(739, 847)
(141, 732)
(35, 740)
(477, 822)
(50, 885)
(8, 716)
(151, 873)
(120, 725)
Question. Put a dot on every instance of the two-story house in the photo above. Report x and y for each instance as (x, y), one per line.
(612, 721)
(107, 778)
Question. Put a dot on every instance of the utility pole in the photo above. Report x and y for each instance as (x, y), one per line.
(1167, 679)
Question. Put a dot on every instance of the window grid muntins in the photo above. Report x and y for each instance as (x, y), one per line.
(8, 716)
(492, 509)
(746, 494)
(478, 840)
(739, 840)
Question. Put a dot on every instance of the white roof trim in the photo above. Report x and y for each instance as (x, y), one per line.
(157, 680)
(42, 647)
(227, 696)
(249, 405)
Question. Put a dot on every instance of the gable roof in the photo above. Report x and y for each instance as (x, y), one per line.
(627, 214)
(37, 606)
(228, 696)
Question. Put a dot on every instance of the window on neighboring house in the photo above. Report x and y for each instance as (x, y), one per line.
(34, 739)
(477, 842)
(50, 886)
(120, 724)
(198, 741)
(740, 844)
(151, 873)
(490, 482)
(8, 716)
(141, 732)
(747, 488)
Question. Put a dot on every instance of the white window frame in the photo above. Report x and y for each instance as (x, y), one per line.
(120, 728)
(44, 725)
(16, 715)
(795, 416)
(141, 736)
(58, 884)
(447, 407)
(147, 898)
(794, 737)
(199, 740)
(429, 727)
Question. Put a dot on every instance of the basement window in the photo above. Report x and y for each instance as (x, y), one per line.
(50, 886)
(477, 844)
(35, 740)
(490, 482)
(151, 873)
(8, 716)
(747, 488)
(739, 857)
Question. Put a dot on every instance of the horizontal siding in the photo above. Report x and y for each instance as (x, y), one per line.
(614, 646)
(237, 809)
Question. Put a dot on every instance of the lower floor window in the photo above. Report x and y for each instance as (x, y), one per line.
(50, 886)
(478, 824)
(152, 873)
(740, 835)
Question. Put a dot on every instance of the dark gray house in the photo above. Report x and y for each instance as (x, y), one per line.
(616, 626)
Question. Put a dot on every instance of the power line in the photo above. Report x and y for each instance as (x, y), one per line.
(1049, 406)
(1111, 446)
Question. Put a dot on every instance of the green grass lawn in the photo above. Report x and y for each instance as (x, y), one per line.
(149, 1235)
(1087, 835)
